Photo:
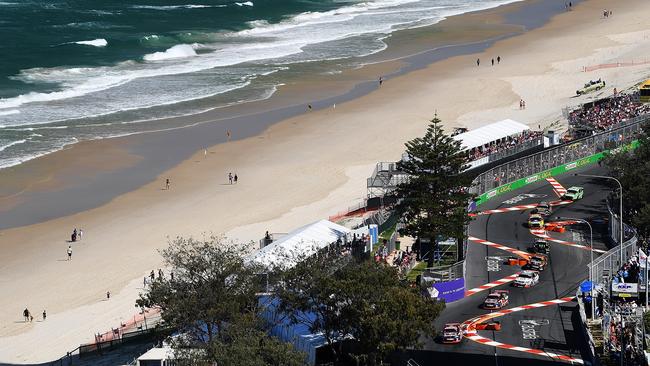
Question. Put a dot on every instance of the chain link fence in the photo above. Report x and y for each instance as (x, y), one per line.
(561, 154)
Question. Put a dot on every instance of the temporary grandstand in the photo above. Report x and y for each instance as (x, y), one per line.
(495, 139)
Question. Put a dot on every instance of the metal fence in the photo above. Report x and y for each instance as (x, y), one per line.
(605, 266)
(555, 156)
(446, 273)
(516, 149)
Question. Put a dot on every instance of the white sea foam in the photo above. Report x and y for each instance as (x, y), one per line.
(9, 112)
(99, 42)
(246, 3)
(172, 7)
(13, 143)
(178, 51)
(286, 42)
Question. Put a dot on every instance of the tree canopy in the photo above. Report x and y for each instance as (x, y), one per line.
(433, 202)
(362, 303)
(631, 167)
(212, 301)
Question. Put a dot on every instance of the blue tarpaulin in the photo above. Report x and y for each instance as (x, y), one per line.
(297, 334)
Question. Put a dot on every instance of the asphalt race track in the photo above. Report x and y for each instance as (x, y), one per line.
(555, 329)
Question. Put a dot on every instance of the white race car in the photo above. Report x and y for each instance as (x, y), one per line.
(452, 333)
(526, 279)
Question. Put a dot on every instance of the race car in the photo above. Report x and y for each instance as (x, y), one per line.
(538, 262)
(544, 209)
(591, 86)
(496, 300)
(574, 193)
(541, 246)
(536, 221)
(452, 333)
(526, 279)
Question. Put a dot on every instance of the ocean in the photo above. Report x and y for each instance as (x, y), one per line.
(80, 70)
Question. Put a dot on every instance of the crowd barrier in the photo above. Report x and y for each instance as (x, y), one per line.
(556, 160)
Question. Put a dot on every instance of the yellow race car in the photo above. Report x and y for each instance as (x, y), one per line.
(535, 221)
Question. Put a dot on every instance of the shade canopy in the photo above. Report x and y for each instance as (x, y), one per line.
(490, 133)
(299, 244)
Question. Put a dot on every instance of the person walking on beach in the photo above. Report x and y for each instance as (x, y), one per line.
(498, 59)
(152, 275)
(235, 178)
(381, 80)
(44, 315)
(26, 315)
(167, 184)
(81, 233)
(73, 237)
(521, 104)
(309, 107)
(108, 295)
(69, 252)
(230, 177)
(478, 62)
(205, 153)
(492, 62)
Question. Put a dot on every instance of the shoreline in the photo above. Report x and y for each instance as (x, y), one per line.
(294, 172)
(23, 204)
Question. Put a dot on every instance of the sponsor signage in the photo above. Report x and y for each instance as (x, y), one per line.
(532, 179)
(623, 289)
(450, 290)
(548, 173)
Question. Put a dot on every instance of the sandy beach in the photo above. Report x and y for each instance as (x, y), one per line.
(294, 172)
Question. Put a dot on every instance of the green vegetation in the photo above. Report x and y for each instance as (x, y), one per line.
(212, 300)
(433, 202)
(631, 167)
(362, 304)
(362, 308)
(417, 270)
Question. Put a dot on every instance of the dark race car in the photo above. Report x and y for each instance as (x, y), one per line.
(543, 208)
(537, 262)
(541, 246)
(496, 300)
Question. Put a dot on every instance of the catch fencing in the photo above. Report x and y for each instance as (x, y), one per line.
(605, 266)
(522, 171)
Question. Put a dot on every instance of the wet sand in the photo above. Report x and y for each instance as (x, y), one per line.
(65, 183)
(291, 173)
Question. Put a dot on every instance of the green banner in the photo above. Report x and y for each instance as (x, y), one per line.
(551, 172)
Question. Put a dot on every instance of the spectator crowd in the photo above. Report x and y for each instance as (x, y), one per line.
(606, 113)
(505, 144)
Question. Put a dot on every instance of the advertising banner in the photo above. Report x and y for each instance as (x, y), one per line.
(625, 289)
(450, 291)
(551, 172)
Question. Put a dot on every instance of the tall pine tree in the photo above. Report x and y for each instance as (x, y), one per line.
(433, 201)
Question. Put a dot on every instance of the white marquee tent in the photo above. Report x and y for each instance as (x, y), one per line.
(300, 243)
(489, 133)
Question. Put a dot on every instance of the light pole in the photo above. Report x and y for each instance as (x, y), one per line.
(620, 186)
(591, 255)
